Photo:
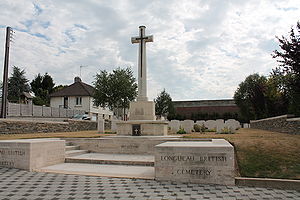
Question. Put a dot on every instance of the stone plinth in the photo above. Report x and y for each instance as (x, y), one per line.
(122, 144)
(142, 127)
(208, 162)
(31, 154)
(100, 126)
(142, 110)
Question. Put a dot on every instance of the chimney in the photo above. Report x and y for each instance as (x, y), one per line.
(77, 79)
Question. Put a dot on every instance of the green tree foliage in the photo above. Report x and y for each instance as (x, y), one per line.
(250, 97)
(59, 87)
(260, 97)
(42, 87)
(289, 70)
(276, 96)
(164, 105)
(116, 89)
(17, 84)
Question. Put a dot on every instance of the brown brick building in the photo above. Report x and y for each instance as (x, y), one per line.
(221, 107)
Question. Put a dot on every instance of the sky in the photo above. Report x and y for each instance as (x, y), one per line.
(202, 49)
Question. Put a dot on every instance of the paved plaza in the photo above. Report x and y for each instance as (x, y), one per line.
(20, 184)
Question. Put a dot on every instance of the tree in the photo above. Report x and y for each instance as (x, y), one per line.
(59, 87)
(164, 105)
(47, 83)
(42, 86)
(250, 97)
(289, 59)
(36, 84)
(276, 95)
(17, 84)
(115, 90)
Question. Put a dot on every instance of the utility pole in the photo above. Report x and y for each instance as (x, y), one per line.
(3, 113)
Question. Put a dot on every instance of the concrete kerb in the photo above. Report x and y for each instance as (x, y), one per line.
(285, 184)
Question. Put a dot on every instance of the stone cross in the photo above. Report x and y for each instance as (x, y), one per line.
(136, 131)
(142, 67)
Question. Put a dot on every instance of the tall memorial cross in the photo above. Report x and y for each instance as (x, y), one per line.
(142, 66)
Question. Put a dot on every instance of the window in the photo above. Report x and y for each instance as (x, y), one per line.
(78, 101)
(94, 104)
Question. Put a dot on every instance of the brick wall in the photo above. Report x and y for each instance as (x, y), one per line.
(9, 126)
(187, 108)
(282, 124)
(187, 111)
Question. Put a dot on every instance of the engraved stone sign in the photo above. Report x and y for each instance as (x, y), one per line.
(210, 162)
(31, 154)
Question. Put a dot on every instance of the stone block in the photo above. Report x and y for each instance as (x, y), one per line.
(101, 125)
(210, 124)
(232, 125)
(188, 125)
(246, 125)
(31, 154)
(122, 144)
(174, 125)
(114, 125)
(142, 110)
(147, 127)
(208, 162)
(200, 122)
(220, 125)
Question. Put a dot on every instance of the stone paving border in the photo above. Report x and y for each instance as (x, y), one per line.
(284, 184)
(20, 184)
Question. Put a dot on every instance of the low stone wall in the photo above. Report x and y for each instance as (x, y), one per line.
(282, 124)
(31, 154)
(9, 126)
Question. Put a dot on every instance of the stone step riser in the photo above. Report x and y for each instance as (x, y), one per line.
(69, 143)
(69, 148)
(69, 154)
(111, 162)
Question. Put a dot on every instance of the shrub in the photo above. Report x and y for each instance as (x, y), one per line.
(181, 131)
(197, 128)
(210, 130)
(226, 130)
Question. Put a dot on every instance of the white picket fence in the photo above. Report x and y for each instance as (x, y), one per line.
(27, 110)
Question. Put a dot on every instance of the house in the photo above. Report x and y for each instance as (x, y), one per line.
(26, 98)
(78, 96)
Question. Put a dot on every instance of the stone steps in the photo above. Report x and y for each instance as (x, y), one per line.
(120, 171)
(75, 152)
(72, 147)
(114, 159)
(81, 162)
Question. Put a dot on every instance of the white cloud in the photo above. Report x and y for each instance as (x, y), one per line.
(201, 50)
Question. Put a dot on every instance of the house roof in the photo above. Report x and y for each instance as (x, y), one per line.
(76, 89)
(27, 95)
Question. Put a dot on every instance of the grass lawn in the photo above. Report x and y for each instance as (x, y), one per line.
(79, 134)
(262, 153)
(259, 153)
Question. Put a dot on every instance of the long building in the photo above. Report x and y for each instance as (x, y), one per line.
(221, 107)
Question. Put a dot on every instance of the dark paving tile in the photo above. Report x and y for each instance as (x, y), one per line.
(20, 184)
